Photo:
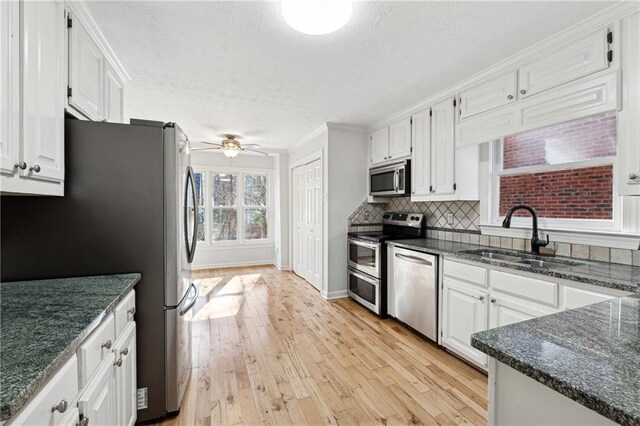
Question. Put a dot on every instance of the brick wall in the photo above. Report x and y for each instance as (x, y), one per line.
(590, 137)
(579, 193)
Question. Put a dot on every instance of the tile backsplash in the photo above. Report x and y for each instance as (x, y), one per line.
(465, 229)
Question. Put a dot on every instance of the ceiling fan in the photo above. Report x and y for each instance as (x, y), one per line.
(230, 147)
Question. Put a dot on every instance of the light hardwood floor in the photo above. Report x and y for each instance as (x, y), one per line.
(269, 350)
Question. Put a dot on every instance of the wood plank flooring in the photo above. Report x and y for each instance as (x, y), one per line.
(269, 350)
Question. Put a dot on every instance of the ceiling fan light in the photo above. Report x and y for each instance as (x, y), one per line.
(316, 17)
(230, 152)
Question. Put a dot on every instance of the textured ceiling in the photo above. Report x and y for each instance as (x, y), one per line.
(217, 67)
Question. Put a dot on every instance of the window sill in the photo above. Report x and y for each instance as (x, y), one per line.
(233, 245)
(592, 238)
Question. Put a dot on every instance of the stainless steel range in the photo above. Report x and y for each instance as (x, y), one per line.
(367, 262)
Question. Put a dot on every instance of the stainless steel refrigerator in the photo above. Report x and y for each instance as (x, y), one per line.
(129, 206)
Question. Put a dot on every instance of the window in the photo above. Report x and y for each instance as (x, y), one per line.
(564, 171)
(232, 206)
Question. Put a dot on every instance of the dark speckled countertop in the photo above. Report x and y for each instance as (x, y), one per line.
(611, 275)
(42, 323)
(589, 354)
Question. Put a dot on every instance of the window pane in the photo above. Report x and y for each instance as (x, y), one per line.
(585, 193)
(199, 178)
(255, 224)
(224, 190)
(224, 224)
(577, 140)
(255, 190)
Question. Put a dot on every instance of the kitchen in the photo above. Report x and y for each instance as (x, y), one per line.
(313, 239)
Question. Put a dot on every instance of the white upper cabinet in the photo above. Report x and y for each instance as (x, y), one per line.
(114, 96)
(9, 86)
(379, 146)
(569, 62)
(400, 139)
(421, 158)
(443, 148)
(86, 71)
(487, 95)
(43, 98)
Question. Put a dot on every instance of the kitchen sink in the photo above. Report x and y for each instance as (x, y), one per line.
(523, 258)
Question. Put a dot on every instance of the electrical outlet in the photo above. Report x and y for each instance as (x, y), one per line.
(142, 398)
(366, 216)
(449, 218)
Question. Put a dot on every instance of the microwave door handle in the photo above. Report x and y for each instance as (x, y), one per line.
(396, 179)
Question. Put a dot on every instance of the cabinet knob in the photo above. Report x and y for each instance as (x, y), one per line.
(125, 351)
(510, 97)
(35, 168)
(522, 92)
(118, 363)
(481, 298)
(634, 176)
(132, 312)
(84, 421)
(60, 406)
(106, 345)
(493, 300)
(385, 158)
(21, 165)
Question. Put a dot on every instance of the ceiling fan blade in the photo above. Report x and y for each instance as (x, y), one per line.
(251, 145)
(210, 143)
(254, 152)
(204, 149)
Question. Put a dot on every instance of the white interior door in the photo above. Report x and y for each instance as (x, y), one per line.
(307, 233)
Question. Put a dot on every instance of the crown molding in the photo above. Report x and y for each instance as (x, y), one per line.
(606, 16)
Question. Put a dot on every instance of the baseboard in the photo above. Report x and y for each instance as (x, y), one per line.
(340, 294)
(232, 265)
(282, 267)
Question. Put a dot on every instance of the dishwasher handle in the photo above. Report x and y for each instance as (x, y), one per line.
(413, 259)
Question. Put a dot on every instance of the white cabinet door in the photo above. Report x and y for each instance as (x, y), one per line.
(43, 88)
(9, 86)
(86, 72)
(114, 96)
(98, 401)
(464, 313)
(379, 146)
(400, 139)
(421, 157)
(489, 94)
(126, 385)
(566, 63)
(504, 310)
(442, 148)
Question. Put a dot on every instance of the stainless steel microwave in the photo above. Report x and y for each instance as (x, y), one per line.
(390, 180)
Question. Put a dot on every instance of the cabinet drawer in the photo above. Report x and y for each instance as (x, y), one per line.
(577, 297)
(125, 312)
(62, 386)
(472, 274)
(527, 288)
(96, 348)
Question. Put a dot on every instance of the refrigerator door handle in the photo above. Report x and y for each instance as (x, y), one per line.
(190, 240)
(184, 297)
(188, 307)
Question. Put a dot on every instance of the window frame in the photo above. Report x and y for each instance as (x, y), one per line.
(612, 225)
(208, 172)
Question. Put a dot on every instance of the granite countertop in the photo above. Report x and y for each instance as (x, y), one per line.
(42, 323)
(589, 354)
(603, 274)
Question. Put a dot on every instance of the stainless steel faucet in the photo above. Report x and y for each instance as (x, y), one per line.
(536, 242)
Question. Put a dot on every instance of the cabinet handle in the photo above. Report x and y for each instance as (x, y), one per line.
(35, 168)
(493, 300)
(522, 92)
(21, 165)
(84, 421)
(106, 345)
(510, 97)
(481, 298)
(124, 352)
(132, 312)
(634, 176)
(61, 406)
(118, 363)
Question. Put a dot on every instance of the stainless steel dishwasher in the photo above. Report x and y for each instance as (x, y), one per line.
(415, 290)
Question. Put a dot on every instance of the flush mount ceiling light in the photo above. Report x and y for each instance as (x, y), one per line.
(316, 17)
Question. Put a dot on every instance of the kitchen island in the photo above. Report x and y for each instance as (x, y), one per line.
(580, 366)
(42, 324)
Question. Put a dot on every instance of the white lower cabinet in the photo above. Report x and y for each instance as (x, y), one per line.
(464, 313)
(95, 387)
(476, 297)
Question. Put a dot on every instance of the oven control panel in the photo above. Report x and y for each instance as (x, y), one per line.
(413, 220)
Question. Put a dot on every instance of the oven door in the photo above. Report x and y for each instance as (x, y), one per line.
(364, 290)
(364, 257)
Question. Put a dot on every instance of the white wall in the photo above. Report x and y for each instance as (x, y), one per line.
(230, 254)
(281, 196)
